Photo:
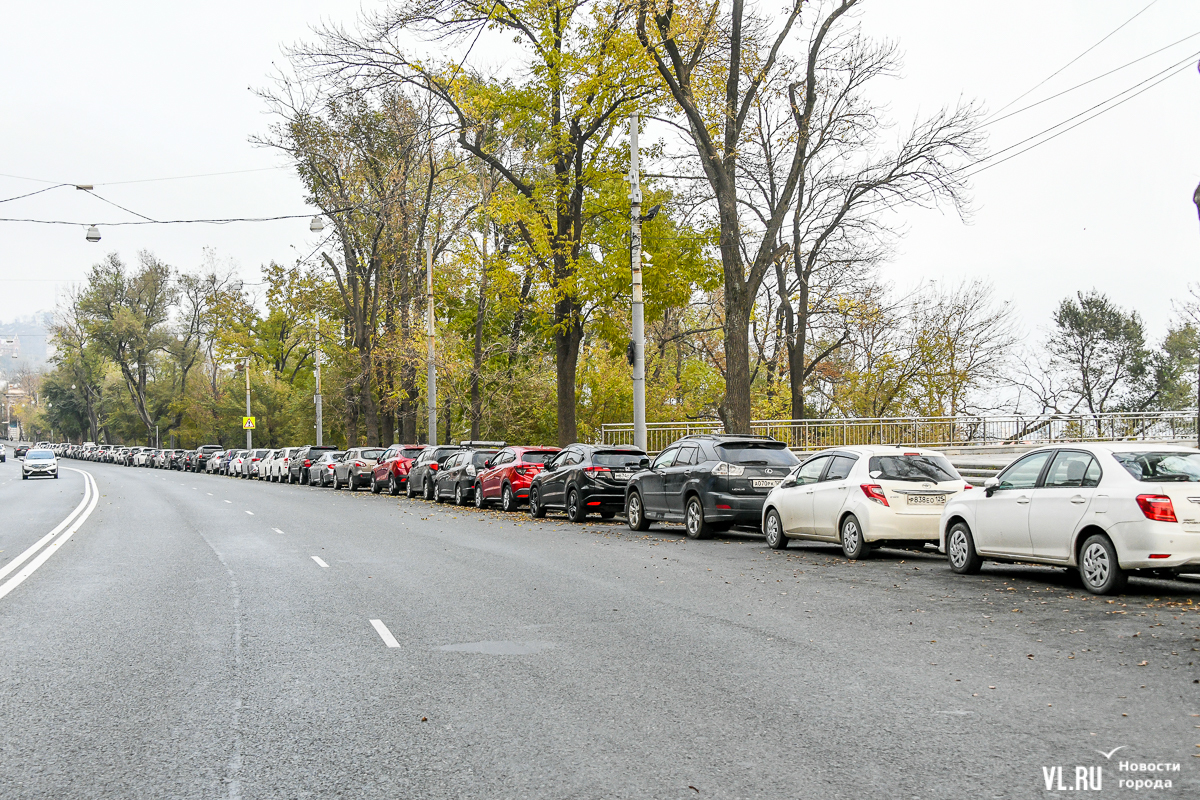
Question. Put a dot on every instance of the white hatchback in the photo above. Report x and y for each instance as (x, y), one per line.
(862, 497)
(1104, 509)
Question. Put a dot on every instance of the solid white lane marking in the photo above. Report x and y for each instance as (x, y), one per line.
(321, 563)
(384, 633)
(52, 548)
(277, 530)
(40, 543)
(251, 513)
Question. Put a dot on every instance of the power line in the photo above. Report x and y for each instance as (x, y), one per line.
(152, 180)
(1076, 58)
(995, 119)
(31, 194)
(166, 221)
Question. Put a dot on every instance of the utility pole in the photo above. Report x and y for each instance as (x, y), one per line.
(317, 397)
(635, 260)
(431, 378)
(248, 431)
(1196, 200)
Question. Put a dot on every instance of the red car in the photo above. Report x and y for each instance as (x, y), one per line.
(392, 468)
(508, 474)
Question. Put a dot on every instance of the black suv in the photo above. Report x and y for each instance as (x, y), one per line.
(431, 459)
(710, 482)
(584, 479)
(203, 453)
(302, 459)
(456, 478)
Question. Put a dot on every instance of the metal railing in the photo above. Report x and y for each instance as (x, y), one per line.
(962, 431)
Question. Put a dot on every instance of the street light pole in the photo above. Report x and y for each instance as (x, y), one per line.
(635, 260)
(431, 378)
(317, 397)
(248, 431)
(1196, 200)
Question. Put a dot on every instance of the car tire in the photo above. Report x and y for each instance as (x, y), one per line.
(24, 477)
(773, 528)
(393, 487)
(304, 478)
(575, 509)
(478, 498)
(375, 487)
(428, 489)
(536, 509)
(352, 482)
(337, 484)
(508, 500)
(408, 492)
(458, 495)
(960, 550)
(693, 518)
(1099, 567)
(854, 544)
(437, 493)
(635, 513)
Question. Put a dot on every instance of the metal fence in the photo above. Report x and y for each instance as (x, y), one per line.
(965, 431)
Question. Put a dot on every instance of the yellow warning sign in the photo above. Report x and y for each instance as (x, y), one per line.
(247, 423)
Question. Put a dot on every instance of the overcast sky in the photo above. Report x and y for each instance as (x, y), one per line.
(131, 91)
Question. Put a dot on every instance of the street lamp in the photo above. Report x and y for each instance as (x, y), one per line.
(93, 234)
(317, 225)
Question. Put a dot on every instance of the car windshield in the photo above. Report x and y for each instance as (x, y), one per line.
(410, 452)
(38, 455)
(617, 458)
(374, 452)
(1161, 466)
(260, 453)
(757, 454)
(912, 468)
(480, 456)
(538, 456)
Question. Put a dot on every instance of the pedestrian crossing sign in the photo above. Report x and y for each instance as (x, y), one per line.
(247, 423)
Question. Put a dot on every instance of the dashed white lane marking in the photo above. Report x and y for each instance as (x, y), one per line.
(383, 632)
(251, 513)
(209, 494)
(321, 563)
(229, 501)
(277, 530)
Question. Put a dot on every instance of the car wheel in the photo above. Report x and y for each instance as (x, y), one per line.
(408, 492)
(337, 484)
(575, 510)
(427, 489)
(393, 487)
(693, 519)
(24, 477)
(304, 478)
(352, 482)
(375, 487)
(853, 544)
(508, 500)
(437, 492)
(479, 502)
(1098, 566)
(536, 509)
(960, 549)
(635, 513)
(773, 528)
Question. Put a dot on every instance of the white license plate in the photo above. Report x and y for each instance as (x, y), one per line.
(927, 499)
(622, 476)
(767, 483)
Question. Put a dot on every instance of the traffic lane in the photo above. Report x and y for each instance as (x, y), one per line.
(118, 660)
(32, 508)
(1004, 714)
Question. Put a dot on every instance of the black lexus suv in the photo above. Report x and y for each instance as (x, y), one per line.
(585, 479)
(421, 473)
(710, 482)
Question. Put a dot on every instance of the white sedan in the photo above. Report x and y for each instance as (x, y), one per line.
(1104, 509)
(39, 462)
(862, 496)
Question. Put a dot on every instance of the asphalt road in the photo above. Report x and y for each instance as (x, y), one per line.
(185, 643)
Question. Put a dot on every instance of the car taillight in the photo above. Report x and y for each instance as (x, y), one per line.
(594, 470)
(1157, 507)
(725, 468)
(433, 467)
(253, 460)
(358, 463)
(875, 492)
(329, 466)
(968, 486)
(521, 470)
(307, 463)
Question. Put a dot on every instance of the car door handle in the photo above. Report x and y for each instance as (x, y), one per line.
(1023, 499)
(1078, 499)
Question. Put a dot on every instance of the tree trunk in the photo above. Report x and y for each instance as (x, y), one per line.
(737, 360)
(567, 337)
(477, 354)
(367, 396)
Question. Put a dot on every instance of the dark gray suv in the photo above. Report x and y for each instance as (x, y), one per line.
(710, 482)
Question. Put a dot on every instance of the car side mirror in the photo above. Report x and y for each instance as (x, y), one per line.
(644, 464)
(989, 486)
(487, 463)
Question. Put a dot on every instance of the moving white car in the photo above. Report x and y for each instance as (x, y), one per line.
(39, 462)
(1104, 509)
(863, 497)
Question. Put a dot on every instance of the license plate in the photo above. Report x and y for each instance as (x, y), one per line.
(927, 499)
(622, 476)
(767, 483)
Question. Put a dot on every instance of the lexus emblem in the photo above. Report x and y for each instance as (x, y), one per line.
(769, 471)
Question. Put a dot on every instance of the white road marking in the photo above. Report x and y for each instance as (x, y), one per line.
(321, 563)
(383, 632)
(209, 494)
(229, 501)
(52, 548)
(19, 560)
(277, 530)
(251, 513)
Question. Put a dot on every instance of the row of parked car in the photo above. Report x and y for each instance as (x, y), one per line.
(1105, 510)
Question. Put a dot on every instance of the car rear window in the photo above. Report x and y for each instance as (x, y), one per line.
(912, 468)
(1161, 466)
(410, 452)
(260, 453)
(374, 452)
(617, 458)
(480, 456)
(757, 454)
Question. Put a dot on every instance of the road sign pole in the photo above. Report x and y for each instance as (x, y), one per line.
(639, 331)
(248, 430)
